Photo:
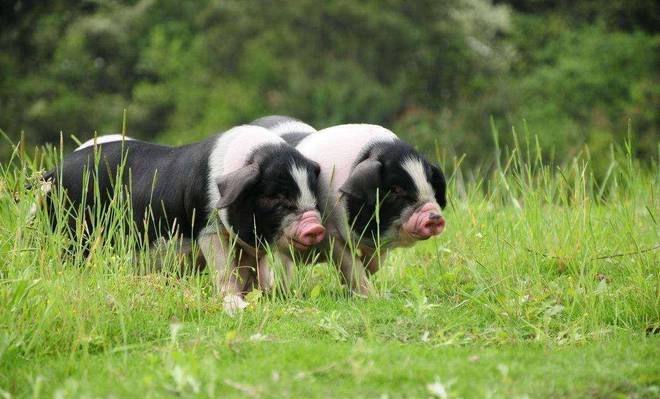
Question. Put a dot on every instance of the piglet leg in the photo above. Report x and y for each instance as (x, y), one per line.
(265, 275)
(246, 271)
(351, 268)
(372, 259)
(218, 252)
(288, 264)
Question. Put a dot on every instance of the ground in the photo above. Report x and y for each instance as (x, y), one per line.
(545, 284)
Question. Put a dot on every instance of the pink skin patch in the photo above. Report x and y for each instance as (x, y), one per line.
(425, 222)
(306, 231)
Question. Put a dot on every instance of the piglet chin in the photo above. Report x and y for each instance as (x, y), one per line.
(425, 222)
(307, 230)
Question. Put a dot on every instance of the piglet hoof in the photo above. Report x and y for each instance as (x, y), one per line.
(363, 291)
(233, 304)
(360, 294)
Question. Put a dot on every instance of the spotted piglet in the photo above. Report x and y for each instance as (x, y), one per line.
(375, 191)
(233, 194)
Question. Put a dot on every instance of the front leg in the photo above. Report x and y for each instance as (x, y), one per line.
(266, 275)
(372, 259)
(288, 264)
(218, 253)
(351, 268)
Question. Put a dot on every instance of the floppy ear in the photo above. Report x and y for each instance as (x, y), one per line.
(232, 184)
(317, 168)
(364, 180)
(439, 186)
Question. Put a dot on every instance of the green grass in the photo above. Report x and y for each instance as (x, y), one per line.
(545, 284)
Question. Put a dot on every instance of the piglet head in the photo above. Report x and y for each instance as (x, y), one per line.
(272, 200)
(301, 227)
(404, 190)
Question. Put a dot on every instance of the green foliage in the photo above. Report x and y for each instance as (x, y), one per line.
(436, 72)
(596, 85)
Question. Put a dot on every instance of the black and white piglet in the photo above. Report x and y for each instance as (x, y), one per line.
(231, 193)
(365, 168)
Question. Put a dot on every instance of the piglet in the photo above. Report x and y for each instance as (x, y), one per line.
(292, 131)
(233, 194)
(375, 192)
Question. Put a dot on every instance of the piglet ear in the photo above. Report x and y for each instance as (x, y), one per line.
(233, 184)
(317, 168)
(364, 180)
(439, 186)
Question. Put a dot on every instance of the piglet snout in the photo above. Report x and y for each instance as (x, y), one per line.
(433, 225)
(425, 222)
(312, 235)
(310, 231)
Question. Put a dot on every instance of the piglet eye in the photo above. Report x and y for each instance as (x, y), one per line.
(271, 201)
(398, 191)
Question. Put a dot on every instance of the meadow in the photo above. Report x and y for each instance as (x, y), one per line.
(545, 284)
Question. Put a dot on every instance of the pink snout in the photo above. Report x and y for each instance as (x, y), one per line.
(432, 226)
(309, 231)
(425, 222)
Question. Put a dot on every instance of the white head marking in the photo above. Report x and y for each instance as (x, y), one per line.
(415, 169)
(307, 199)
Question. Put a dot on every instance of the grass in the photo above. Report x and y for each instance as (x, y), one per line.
(545, 284)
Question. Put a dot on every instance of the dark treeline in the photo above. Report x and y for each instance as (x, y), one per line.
(433, 71)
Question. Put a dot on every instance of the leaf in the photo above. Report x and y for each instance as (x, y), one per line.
(253, 296)
(554, 310)
(230, 335)
(315, 292)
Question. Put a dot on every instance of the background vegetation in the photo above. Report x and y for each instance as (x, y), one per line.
(434, 71)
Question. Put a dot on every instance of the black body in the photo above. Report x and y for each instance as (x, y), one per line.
(170, 181)
(169, 187)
